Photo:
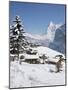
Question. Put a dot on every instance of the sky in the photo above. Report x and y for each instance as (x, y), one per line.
(35, 16)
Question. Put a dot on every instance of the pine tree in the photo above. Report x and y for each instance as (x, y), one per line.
(17, 38)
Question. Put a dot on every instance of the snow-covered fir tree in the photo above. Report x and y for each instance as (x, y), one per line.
(17, 38)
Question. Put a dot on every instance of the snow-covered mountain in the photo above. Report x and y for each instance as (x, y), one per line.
(36, 36)
(37, 39)
(51, 30)
(54, 38)
(44, 39)
(59, 40)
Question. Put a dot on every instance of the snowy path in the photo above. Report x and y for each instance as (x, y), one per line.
(30, 75)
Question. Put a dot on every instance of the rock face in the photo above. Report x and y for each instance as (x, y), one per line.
(59, 40)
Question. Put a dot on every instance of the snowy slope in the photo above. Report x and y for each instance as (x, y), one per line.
(30, 75)
(27, 75)
(49, 52)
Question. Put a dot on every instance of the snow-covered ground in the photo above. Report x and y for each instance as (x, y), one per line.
(31, 75)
